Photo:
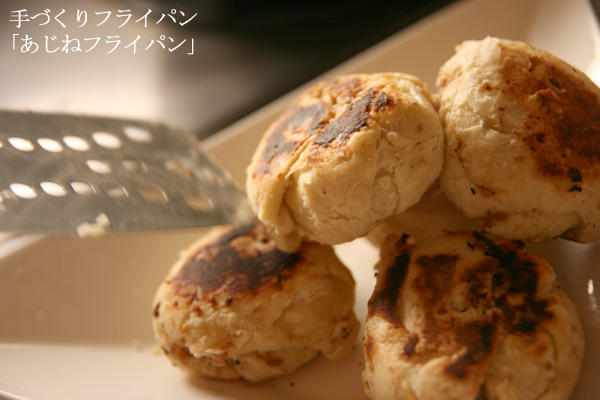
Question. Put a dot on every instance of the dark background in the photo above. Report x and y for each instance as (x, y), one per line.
(302, 39)
(246, 54)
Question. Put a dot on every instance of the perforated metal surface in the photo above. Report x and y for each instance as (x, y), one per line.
(58, 172)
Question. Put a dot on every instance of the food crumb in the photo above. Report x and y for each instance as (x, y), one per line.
(292, 384)
(95, 229)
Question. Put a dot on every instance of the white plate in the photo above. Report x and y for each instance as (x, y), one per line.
(75, 315)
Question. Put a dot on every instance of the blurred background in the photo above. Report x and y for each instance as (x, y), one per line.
(197, 64)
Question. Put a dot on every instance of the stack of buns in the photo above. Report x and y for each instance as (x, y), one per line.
(451, 186)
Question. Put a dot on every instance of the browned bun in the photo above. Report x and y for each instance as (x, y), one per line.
(522, 141)
(235, 306)
(348, 153)
(464, 317)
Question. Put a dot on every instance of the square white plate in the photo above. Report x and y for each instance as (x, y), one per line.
(75, 314)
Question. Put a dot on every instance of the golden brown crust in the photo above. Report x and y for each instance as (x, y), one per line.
(287, 134)
(451, 310)
(522, 141)
(505, 272)
(389, 283)
(348, 153)
(561, 121)
(318, 120)
(234, 306)
(238, 261)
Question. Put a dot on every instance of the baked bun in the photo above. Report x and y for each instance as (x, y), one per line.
(234, 306)
(522, 141)
(463, 317)
(431, 216)
(347, 154)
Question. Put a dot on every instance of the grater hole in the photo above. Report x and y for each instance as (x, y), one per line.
(131, 165)
(153, 195)
(82, 188)
(106, 140)
(99, 167)
(76, 143)
(178, 168)
(21, 144)
(115, 191)
(53, 189)
(23, 191)
(137, 134)
(50, 145)
(198, 202)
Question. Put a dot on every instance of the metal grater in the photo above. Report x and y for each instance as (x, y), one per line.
(68, 174)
